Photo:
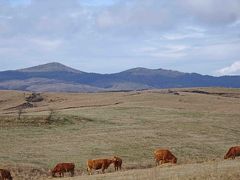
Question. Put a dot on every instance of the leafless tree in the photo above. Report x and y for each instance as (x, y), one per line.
(49, 118)
(19, 112)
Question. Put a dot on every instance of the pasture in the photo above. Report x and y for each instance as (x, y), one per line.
(197, 125)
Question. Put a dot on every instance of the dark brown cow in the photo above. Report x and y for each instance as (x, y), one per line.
(233, 152)
(5, 175)
(164, 156)
(97, 164)
(61, 168)
(117, 163)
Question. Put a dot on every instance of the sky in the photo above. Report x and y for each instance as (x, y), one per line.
(107, 36)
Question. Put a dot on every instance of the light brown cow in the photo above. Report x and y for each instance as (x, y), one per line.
(233, 152)
(5, 175)
(97, 164)
(117, 163)
(164, 156)
(61, 168)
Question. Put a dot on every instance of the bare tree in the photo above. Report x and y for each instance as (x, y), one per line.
(49, 118)
(19, 112)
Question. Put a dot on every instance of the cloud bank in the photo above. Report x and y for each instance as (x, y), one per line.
(113, 35)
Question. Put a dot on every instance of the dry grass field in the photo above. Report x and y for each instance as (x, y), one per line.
(197, 126)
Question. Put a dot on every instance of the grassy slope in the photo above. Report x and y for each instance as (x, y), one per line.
(196, 127)
(223, 170)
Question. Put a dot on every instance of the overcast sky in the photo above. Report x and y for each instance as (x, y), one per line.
(108, 36)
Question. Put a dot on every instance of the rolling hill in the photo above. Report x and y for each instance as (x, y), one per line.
(56, 77)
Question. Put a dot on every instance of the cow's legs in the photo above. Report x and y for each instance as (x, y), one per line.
(89, 171)
(72, 173)
(103, 169)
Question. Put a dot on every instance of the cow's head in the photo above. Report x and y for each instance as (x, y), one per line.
(175, 160)
(227, 155)
(114, 159)
(52, 172)
(10, 178)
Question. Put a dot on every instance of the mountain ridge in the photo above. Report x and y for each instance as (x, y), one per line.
(56, 77)
(49, 67)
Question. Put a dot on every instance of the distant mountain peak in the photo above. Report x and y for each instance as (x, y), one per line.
(50, 67)
(146, 71)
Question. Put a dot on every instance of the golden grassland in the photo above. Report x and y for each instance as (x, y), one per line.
(198, 128)
(224, 170)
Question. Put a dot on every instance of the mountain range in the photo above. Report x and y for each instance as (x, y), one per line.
(56, 77)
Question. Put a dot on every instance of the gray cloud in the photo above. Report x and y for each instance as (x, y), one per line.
(120, 33)
(137, 15)
(212, 12)
(164, 15)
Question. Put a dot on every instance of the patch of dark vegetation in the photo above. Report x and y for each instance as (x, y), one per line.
(34, 97)
(78, 119)
(57, 119)
(233, 95)
(199, 92)
(173, 92)
(60, 120)
(169, 91)
(36, 121)
(53, 118)
(25, 120)
(21, 106)
(24, 105)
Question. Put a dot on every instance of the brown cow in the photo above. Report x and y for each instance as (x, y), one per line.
(63, 167)
(5, 174)
(98, 164)
(117, 163)
(164, 156)
(233, 152)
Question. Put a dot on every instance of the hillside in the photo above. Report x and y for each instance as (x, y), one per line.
(198, 125)
(212, 170)
(50, 67)
(55, 77)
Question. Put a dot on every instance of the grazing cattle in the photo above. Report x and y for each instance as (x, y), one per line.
(164, 156)
(97, 164)
(117, 163)
(61, 168)
(233, 152)
(5, 175)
